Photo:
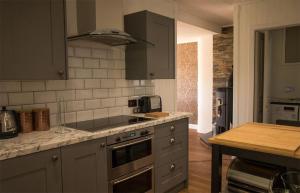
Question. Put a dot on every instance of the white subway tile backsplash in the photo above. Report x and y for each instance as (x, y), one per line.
(20, 98)
(100, 113)
(66, 95)
(139, 91)
(83, 52)
(70, 117)
(99, 53)
(3, 99)
(122, 101)
(112, 73)
(33, 86)
(99, 73)
(34, 106)
(75, 62)
(74, 106)
(107, 63)
(108, 102)
(91, 63)
(53, 107)
(85, 115)
(44, 97)
(92, 83)
(83, 73)
(96, 87)
(56, 84)
(84, 94)
(115, 111)
(120, 83)
(70, 51)
(100, 93)
(75, 84)
(127, 91)
(72, 73)
(115, 92)
(107, 83)
(93, 104)
(10, 86)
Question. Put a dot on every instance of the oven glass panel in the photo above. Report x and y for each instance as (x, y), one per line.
(138, 184)
(131, 153)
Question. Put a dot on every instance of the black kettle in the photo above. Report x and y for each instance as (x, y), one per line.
(8, 123)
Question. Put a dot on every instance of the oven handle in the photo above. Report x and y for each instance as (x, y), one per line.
(132, 176)
(132, 143)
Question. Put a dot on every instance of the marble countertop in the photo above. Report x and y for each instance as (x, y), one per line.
(44, 140)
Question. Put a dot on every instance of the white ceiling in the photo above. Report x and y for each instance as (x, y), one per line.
(219, 12)
(190, 33)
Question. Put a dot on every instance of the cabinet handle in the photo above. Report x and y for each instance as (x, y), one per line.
(172, 128)
(151, 74)
(54, 158)
(172, 167)
(61, 72)
(172, 140)
(102, 145)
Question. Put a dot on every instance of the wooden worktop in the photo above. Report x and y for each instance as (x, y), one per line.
(274, 139)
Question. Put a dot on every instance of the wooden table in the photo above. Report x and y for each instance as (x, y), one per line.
(274, 144)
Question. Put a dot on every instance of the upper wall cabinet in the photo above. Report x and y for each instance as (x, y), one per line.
(153, 57)
(292, 45)
(32, 40)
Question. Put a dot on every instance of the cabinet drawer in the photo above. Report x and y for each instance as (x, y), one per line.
(171, 174)
(171, 147)
(171, 128)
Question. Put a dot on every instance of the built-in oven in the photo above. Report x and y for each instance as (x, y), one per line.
(130, 161)
(139, 181)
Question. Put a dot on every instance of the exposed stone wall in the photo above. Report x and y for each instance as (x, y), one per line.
(222, 60)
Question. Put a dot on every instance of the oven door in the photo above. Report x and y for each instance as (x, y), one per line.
(140, 181)
(129, 156)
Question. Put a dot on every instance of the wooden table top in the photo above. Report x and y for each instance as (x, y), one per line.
(267, 138)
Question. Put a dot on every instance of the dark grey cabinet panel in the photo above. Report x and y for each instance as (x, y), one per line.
(171, 155)
(34, 173)
(32, 39)
(84, 167)
(292, 44)
(154, 60)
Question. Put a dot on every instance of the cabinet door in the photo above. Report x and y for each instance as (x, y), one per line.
(35, 173)
(292, 45)
(84, 167)
(32, 39)
(161, 56)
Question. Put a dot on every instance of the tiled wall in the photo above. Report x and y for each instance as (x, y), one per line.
(96, 87)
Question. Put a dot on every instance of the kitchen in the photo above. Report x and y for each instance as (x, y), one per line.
(86, 89)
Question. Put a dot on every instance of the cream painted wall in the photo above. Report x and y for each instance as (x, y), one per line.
(248, 17)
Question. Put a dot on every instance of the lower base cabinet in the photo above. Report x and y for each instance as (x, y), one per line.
(34, 173)
(84, 167)
(171, 156)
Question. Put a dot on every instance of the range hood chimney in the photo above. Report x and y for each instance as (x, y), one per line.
(97, 20)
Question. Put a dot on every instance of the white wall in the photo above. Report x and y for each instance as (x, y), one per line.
(188, 33)
(247, 18)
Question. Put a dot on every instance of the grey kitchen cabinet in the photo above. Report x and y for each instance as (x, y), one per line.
(32, 40)
(171, 156)
(34, 173)
(84, 167)
(292, 44)
(153, 56)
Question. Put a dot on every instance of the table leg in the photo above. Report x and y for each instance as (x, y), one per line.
(216, 169)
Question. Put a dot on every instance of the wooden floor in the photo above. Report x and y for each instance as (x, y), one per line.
(200, 165)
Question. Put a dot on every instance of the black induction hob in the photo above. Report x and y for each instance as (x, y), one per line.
(107, 123)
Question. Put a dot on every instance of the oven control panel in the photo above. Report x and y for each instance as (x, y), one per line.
(118, 138)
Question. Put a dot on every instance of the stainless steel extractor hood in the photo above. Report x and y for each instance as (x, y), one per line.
(83, 22)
